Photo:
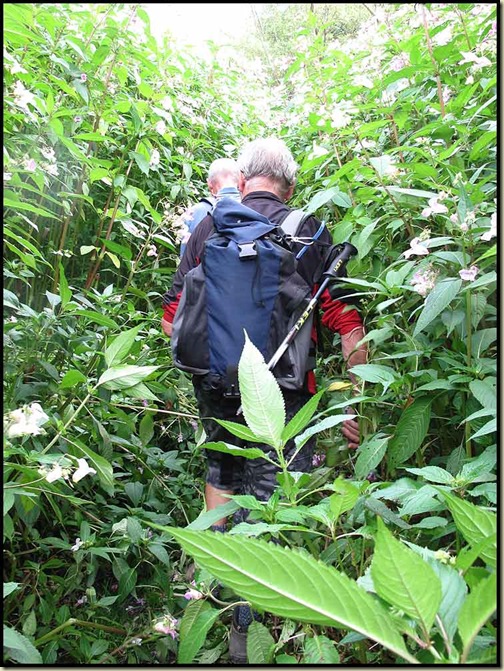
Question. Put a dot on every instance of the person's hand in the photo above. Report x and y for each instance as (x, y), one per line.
(167, 327)
(350, 430)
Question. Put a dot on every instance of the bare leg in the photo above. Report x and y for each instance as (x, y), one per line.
(215, 497)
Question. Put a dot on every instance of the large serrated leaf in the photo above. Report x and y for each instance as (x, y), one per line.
(404, 579)
(369, 455)
(19, 648)
(477, 608)
(260, 644)
(454, 593)
(262, 401)
(197, 620)
(320, 650)
(410, 432)
(290, 584)
(474, 523)
(247, 452)
(438, 299)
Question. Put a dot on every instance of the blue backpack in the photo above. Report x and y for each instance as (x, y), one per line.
(247, 280)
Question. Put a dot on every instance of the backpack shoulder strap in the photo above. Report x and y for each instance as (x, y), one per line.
(210, 201)
(290, 225)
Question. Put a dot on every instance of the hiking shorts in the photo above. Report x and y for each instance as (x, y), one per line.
(237, 474)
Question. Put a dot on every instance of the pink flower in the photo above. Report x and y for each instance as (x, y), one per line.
(193, 593)
(31, 165)
(417, 248)
(77, 119)
(469, 274)
(479, 61)
(167, 626)
(399, 62)
(424, 281)
(83, 77)
(435, 207)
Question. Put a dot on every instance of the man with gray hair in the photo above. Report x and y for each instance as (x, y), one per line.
(266, 181)
(222, 180)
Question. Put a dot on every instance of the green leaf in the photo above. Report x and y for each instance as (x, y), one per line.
(275, 579)
(474, 523)
(454, 593)
(433, 474)
(369, 455)
(19, 648)
(71, 378)
(262, 401)
(98, 173)
(410, 431)
(209, 517)
(114, 259)
(134, 491)
(404, 579)
(438, 299)
(320, 650)
(127, 581)
(160, 553)
(260, 644)
(477, 608)
(122, 377)
(141, 161)
(9, 587)
(376, 373)
(119, 347)
(302, 417)
(65, 292)
(247, 452)
(97, 318)
(141, 391)
(197, 621)
(102, 467)
(238, 430)
(344, 498)
(146, 428)
(323, 425)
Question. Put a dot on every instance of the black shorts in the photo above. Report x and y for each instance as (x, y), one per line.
(237, 474)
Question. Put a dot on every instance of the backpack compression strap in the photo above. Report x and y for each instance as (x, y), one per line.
(292, 223)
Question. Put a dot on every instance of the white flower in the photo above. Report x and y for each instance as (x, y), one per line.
(48, 153)
(478, 61)
(469, 274)
(7, 176)
(339, 118)
(363, 80)
(492, 231)
(30, 164)
(161, 127)
(83, 470)
(51, 168)
(417, 248)
(435, 207)
(77, 545)
(26, 421)
(152, 250)
(443, 37)
(399, 62)
(154, 159)
(166, 103)
(55, 473)
(22, 97)
(469, 80)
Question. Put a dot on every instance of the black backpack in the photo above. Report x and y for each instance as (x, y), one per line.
(247, 280)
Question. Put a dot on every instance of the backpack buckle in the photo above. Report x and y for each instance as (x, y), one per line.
(247, 250)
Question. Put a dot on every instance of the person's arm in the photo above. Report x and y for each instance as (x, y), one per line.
(189, 260)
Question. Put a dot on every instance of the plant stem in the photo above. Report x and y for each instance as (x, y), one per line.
(81, 623)
(434, 63)
(468, 361)
(67, 423)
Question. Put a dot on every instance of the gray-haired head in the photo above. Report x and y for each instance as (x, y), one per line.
(271, 158)
(223, 172)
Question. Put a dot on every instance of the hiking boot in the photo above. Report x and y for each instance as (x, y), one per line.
(243, 615)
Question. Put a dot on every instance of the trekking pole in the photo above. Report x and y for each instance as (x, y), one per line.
(335, 270)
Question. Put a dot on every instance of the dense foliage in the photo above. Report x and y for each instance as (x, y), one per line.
(107, 137)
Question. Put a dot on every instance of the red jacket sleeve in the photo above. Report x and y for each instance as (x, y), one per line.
(169, 309)
(335, 317)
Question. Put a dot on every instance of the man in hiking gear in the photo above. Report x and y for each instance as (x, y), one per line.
(222, 180)
(267, 180)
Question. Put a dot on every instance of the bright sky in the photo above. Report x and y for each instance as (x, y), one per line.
(196, 22)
